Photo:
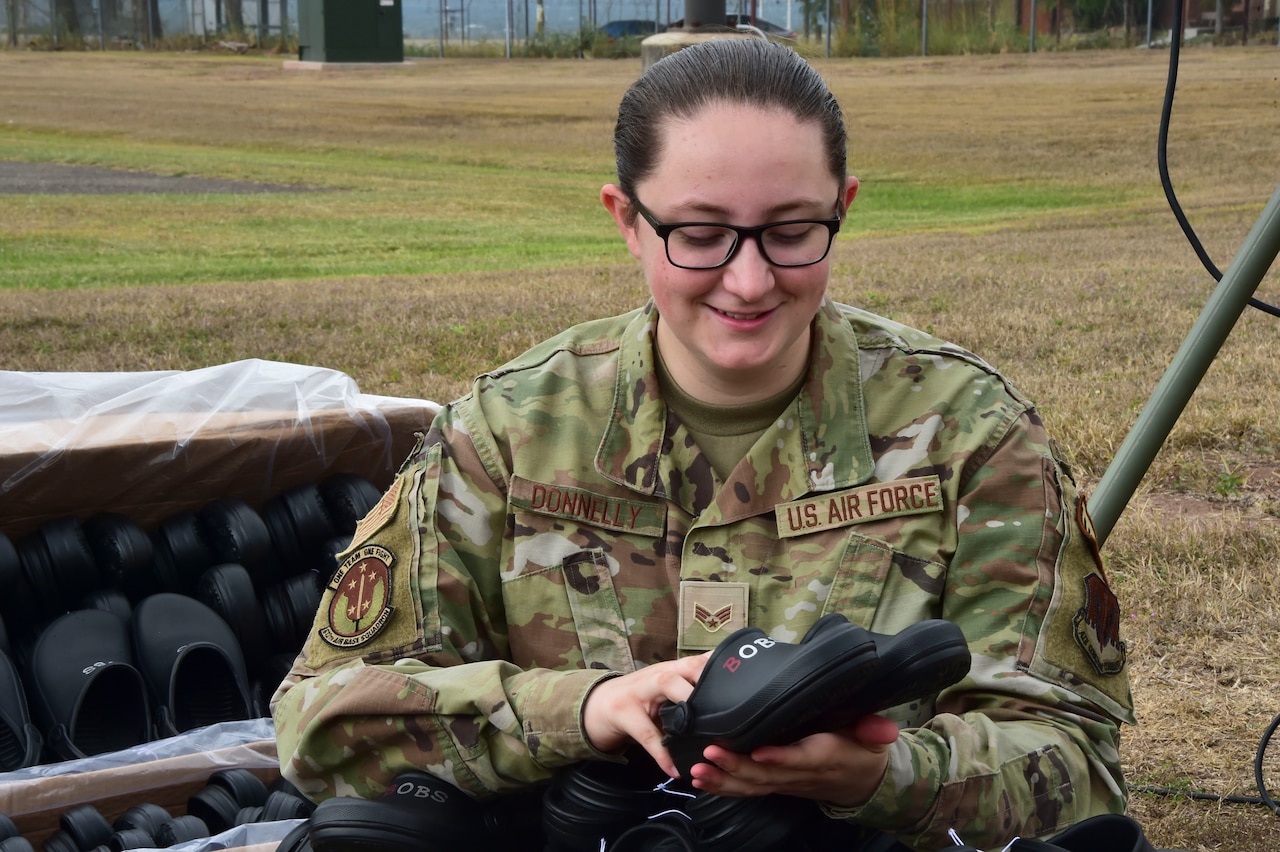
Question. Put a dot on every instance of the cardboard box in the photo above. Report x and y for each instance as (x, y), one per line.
(149, 445)
(166, 772)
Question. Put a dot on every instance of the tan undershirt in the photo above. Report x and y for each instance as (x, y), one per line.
(724, 432)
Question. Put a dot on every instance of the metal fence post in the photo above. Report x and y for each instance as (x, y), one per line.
(1188, 367)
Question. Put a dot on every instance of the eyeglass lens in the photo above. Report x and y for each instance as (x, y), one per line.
(789, 244)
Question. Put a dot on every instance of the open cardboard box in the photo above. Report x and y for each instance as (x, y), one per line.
(167, 773)
(148, 445)
(151, 444)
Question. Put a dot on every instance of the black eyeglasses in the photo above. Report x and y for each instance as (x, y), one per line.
(707, 245)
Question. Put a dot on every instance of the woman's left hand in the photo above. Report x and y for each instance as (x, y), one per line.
(843, 767)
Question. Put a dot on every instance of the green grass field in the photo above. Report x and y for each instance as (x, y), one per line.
(451, 218)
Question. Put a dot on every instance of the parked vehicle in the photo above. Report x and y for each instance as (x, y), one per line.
(766, 27)
(630, 28)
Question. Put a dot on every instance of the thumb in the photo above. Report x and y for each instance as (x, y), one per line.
(875, 730)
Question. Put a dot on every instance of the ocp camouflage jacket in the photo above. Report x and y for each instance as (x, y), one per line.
(558, 525)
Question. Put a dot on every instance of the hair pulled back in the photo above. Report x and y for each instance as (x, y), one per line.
(724, 70)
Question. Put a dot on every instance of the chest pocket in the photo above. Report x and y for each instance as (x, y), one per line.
(884, 589)
(568, 616)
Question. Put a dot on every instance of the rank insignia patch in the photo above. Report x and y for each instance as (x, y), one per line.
(713, 621)
(1085, 522)
(380, 513)
(1097, 627)
(360, 602)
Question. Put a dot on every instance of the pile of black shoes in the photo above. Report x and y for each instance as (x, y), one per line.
(230, 798)
(112, 636)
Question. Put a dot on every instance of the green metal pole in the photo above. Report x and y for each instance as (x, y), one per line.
(1188, 367)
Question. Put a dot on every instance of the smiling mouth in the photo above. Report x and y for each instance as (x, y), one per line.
(737, 316)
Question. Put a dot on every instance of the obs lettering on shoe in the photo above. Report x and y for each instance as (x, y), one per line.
(915, 496)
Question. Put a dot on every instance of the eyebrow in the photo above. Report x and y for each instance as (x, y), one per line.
(772, 214)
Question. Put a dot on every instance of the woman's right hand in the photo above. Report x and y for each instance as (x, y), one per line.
(622, 710)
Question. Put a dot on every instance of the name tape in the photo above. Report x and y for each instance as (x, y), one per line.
(576, 504)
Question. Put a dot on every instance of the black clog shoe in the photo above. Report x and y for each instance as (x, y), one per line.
(191, 662)
(227, 589)
(758, 691)
(418, 813)
(20, 740)
(596, 801)
(86, 694)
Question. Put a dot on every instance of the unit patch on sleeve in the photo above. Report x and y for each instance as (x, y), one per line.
(360, 605)
(1097, 627)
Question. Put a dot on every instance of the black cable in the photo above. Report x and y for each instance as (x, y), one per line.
(1257, 767)
(1162, 157)
(1263, 797)
(1175, 48)
(1193, 794)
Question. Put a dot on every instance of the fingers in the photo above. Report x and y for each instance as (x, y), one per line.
(625, 709)
(842, 767)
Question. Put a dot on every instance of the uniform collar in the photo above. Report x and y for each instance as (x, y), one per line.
(819, 444)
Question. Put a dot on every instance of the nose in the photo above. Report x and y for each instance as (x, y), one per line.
(748, 274)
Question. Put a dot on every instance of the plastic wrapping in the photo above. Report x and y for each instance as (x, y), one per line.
(166, 772)
(149, 444)
(222, 746)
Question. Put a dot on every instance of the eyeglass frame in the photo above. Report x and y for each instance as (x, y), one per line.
(664, 230)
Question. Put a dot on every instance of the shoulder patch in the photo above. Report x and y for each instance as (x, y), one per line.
(1097, 627)
(1085, 521)
(379, 514)
(360, 605)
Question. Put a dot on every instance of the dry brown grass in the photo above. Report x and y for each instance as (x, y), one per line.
(1082, 310)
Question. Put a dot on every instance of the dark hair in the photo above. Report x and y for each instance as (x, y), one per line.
(734, 70)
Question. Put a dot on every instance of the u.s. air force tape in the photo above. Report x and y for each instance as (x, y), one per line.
(915, 496)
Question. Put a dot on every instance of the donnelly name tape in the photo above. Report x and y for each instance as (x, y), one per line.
(575, 504)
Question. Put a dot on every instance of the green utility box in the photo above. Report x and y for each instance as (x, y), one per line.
(350, 31)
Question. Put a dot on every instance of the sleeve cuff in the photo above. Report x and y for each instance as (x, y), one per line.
(906, 794)
(554, 730)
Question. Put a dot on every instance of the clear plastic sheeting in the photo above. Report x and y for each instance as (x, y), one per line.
(165, 772)
(149, 444)
(244, 744)
(251, 836)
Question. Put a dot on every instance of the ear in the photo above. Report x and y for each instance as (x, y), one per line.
(618, 204)
(850, 191)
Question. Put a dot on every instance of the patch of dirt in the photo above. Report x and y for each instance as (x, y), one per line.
(1257, 499)
(59, 179)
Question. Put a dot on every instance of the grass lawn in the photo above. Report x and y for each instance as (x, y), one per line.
(450, 218)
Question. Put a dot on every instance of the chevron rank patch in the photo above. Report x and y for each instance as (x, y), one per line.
(710, 611)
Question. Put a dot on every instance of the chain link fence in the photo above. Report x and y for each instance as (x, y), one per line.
(864, 27)
(124, 23)
(133, 23)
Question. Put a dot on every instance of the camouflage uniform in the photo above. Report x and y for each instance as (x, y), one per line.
(557, 526)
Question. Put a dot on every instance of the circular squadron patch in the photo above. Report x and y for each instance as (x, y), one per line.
(360, 597)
